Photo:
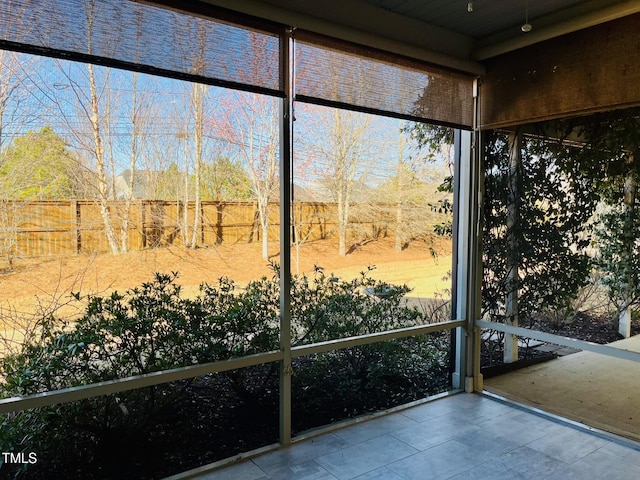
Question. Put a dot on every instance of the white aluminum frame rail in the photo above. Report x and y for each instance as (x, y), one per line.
(560, 340)
(14, 404)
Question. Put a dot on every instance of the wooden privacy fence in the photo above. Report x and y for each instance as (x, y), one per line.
(65, 227)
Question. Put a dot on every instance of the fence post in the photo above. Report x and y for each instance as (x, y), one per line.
(75, 215)
(219, 223)
(141, 219)
(202, 226)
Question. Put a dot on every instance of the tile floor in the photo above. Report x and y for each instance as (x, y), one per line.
(465, 436)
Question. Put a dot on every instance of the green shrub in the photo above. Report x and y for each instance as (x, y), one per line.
(353, 381)
(325, 308)
(152, 328)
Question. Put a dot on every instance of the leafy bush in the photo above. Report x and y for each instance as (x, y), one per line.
(148, 329)
(353, 381)
(324, 308)
(555, 197)
(152, 328)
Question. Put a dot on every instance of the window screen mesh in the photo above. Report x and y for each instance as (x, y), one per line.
(176, 43)
(335, 71)
(144, 35)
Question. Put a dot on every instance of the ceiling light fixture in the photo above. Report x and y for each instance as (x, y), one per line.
(527, 26)
(470, 6)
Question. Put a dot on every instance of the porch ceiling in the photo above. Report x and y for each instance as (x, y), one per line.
(440, 31)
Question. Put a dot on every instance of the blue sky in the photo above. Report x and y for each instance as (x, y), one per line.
(59, 97)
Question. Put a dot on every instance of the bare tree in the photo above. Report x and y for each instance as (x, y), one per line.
(250, 127)
(99, 156)
(342, 155)
(420, 199)
(17, 98)
(401, 179)
(98, 146)
(183, 179)
(86, 116)
(9, 83)
(95, 112)
(197, 107)
(135, 120)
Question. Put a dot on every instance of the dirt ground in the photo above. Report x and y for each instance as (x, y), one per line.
(37, 283)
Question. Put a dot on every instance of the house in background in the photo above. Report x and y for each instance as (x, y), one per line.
(145, 184)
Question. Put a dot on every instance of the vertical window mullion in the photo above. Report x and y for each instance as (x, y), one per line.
(286, 128)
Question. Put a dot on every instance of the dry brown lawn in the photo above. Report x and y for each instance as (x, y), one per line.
(40, 283)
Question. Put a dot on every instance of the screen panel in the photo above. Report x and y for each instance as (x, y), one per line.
(335, 72)
(135, 34)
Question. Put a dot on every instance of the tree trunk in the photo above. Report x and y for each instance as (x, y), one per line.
(126, 215)
(399, 233)
(342, 227)
(198, 101)
(103, 188)
(630, 191)
(511, 302)
(185, 208)
(399, 236)
(263, 209)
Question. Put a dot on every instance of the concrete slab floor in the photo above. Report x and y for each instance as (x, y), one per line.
(464, 436)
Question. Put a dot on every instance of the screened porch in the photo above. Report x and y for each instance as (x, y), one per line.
(294, 239)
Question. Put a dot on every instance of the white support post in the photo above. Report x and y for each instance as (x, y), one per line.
(470, 254)
(467, 261)
(511, 300)
(462, 238)
(467, 258)
(624, 319)
(475, 259)
(630, 188)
